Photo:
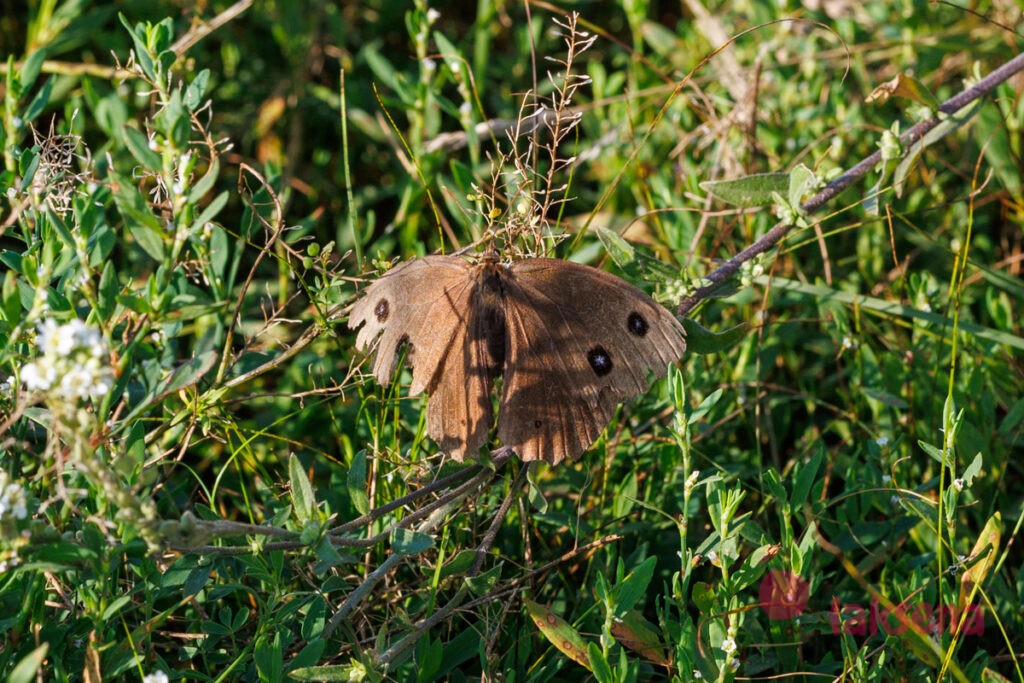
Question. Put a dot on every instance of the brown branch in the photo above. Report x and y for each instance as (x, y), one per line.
(914, 135)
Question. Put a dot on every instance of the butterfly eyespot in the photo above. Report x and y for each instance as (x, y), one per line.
(600, 361)
(538, 423)
(637, 324)
(382, 310)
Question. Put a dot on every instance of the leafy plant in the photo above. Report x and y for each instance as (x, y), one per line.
(197, 484)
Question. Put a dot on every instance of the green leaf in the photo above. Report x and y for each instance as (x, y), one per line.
(950, 123)
(349, 673)
(385, 72)
(196, 580)
(409, 542)
(303, 498)
(196, 89)
(357, 483)
(107, 293)
(933, 451)
(269, 658)
(700, 339)
(211, 211)
(101, 243)
(802, 180)
(39, 102)
(142, 56)
(138, 144)
(705, 406)
(459, 564)
(484, 582)
(749, 191)
(973, 469)
(535, 493)
(25, 671)
(621, 251)
(115, 606)
(805, 475)
(599, 663)
(144, 227)
(205, 184)
(634, 586)
(31, 67)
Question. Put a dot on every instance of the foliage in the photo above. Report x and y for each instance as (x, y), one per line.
(195, 478)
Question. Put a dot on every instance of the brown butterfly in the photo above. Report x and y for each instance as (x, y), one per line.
(571, 342)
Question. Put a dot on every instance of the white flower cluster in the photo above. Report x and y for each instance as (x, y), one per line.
(74, 362)
(13, 500)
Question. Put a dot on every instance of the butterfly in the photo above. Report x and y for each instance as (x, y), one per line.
(570, 343)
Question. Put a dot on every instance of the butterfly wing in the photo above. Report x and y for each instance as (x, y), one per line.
(579, 342)
(428, 304)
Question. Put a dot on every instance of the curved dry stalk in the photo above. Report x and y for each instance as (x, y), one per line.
(420, 628)
(429, 525)
(500, 456)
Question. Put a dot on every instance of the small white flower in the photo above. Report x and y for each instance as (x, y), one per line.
(894, 500)
(713, 556)
(156, 677)
(926, 307)
(886, 478)
(958, 484)
(882, 441)
(12, 192)
(13, 499)
(73, 362)
(33, 378)
(849, 342)
(728, 646)
(432, 15)
(455, 66)
(697, 675)
(465, 109)
(17, 122)
(428, 65)
(734, 664)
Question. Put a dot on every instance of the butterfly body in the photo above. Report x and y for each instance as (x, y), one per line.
(571, 342)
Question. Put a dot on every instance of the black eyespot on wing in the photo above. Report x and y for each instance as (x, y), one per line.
(538, 424)
(637, 324)
(600, 361)
(382, 310)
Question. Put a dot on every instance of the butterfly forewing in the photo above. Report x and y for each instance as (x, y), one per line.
(580, 341)
(422, 303)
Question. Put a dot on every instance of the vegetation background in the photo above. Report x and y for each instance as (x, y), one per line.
(199, 187)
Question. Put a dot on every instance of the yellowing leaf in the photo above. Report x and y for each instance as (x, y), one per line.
(559, 633)
(988, 543)
(639, 635)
